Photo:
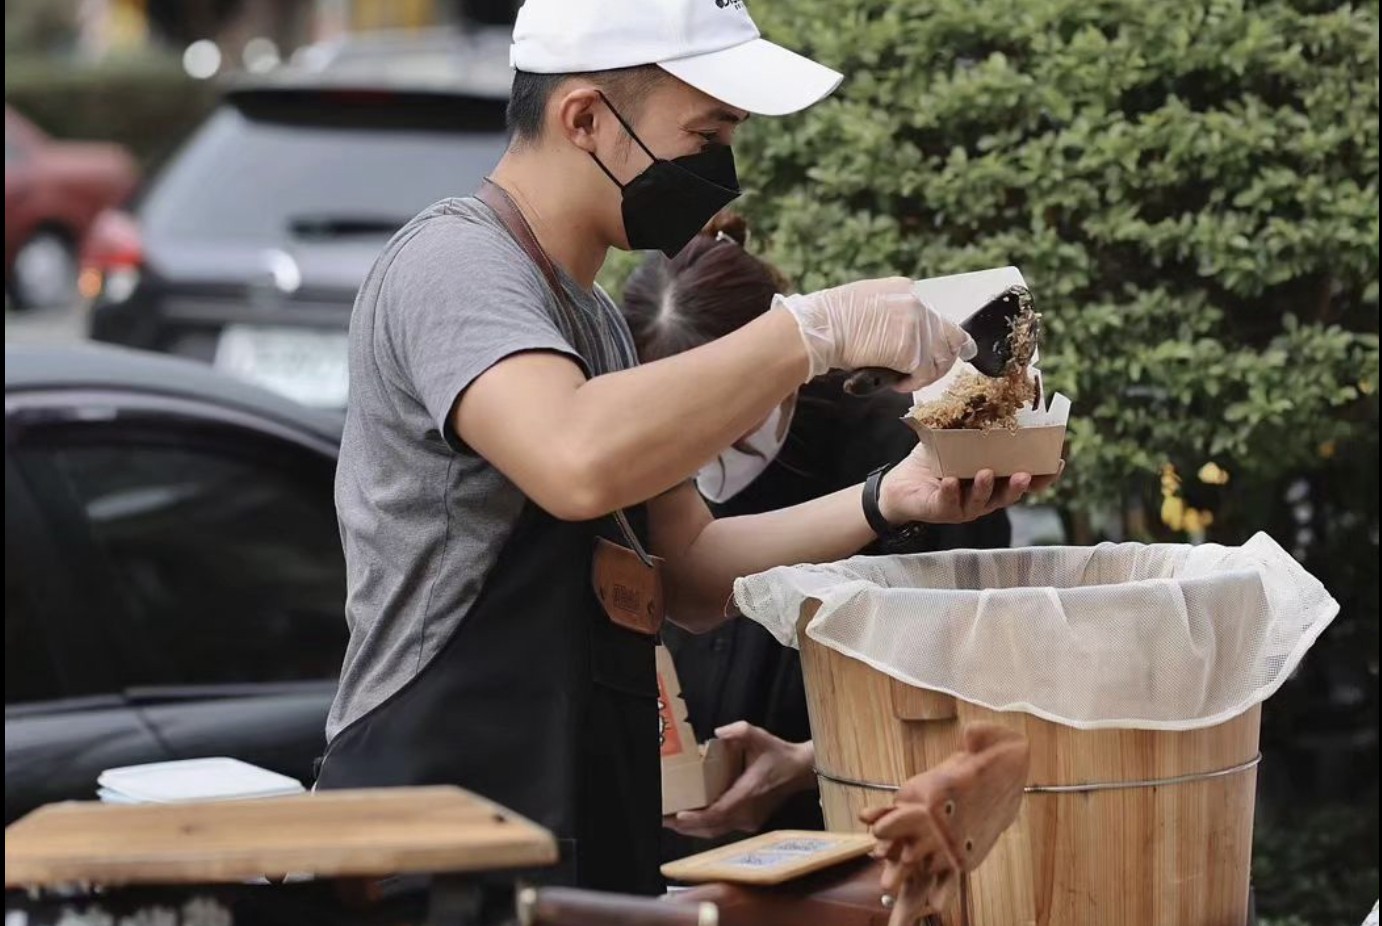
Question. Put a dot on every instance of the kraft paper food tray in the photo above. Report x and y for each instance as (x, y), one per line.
(1034, 447)
(693, 775)
(698, 779)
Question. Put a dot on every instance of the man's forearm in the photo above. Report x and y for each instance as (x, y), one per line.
(819, 531)
(645, 430)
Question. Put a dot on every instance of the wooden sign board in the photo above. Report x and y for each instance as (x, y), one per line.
(771, 858)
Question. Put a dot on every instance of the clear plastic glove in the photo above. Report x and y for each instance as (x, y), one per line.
(878, 323)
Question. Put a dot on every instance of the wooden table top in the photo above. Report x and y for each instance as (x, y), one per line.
(342, 834)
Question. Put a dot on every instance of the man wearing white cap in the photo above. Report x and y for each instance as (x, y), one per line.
(515, 495)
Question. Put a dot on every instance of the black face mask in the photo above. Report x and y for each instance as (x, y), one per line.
(666, 205)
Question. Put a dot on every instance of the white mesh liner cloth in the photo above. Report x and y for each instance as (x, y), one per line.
(1161, 637)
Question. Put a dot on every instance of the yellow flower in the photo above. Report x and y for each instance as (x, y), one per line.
(1196, 521)
(1213, 474)
(1173, 513)
(1170, 481)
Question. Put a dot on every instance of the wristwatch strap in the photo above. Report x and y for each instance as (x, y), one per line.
(889, 535)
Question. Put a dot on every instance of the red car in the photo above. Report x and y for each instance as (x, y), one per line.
(53, 192)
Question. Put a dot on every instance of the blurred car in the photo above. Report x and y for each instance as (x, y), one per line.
(248, 249)
(174, 582)
(53, 192)
(479, 56)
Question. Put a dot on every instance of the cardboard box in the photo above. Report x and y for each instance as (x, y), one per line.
(693, 775)
(1036, 446)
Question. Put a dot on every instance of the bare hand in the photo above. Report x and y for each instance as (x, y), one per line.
(911, 491)
(774, 770)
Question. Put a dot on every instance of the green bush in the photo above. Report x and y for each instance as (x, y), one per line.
(1191, 188)
(618, 266)
(146, 104)
(1302, 868)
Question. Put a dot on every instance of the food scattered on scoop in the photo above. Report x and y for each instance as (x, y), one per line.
(981, 403)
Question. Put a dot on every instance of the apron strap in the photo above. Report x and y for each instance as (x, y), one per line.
(513, 220)
(497, 199)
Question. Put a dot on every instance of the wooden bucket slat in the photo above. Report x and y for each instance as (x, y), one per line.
(1172, 855)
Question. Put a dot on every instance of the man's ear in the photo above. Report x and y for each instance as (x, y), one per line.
(575, 115)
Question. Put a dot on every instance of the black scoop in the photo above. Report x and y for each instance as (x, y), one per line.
(990, 327)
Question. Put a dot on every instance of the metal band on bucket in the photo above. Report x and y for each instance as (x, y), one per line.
(1073, 789)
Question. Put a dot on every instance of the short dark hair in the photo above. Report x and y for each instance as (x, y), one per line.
(626, 88)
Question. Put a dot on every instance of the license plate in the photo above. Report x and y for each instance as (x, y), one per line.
(302, 364)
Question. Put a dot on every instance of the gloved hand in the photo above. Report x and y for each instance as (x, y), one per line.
(878, 323)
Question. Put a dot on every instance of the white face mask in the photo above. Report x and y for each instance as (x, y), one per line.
(735, 468)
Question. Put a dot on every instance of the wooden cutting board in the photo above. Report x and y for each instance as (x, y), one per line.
(366, 833)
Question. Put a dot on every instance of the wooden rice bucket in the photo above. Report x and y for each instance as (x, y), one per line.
(1118, 827)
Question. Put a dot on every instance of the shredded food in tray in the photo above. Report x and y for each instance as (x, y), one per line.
(978, 402)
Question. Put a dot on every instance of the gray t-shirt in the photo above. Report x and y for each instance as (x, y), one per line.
(422, 518)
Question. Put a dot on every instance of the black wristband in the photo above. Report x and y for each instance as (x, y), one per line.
(889, 535)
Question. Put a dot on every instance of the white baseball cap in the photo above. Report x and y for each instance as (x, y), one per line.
(712, 45)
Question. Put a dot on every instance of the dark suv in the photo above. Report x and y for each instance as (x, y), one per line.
(247, 250)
